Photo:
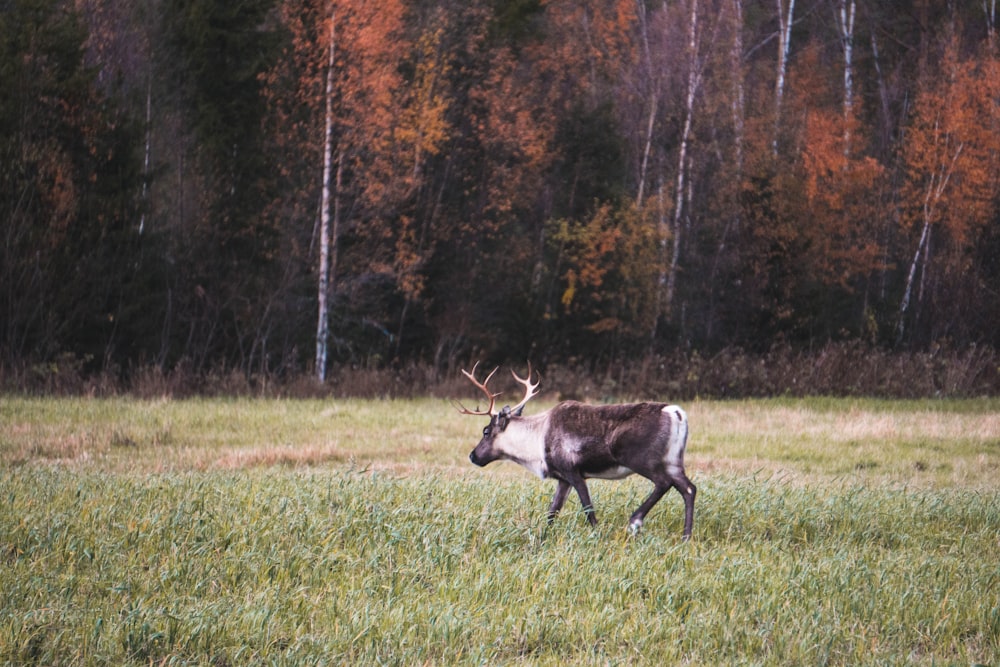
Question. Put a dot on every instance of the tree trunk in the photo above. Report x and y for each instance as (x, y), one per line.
(739, 97)
(662, 260)
(323, 289)
(683, 187)
(845, 25)
(990, 9)
(907, 293)
(146, 156)
(784, 42)
(645, 152)
(654, 88)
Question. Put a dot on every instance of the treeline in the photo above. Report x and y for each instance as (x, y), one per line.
(847, 369)
(273, 188)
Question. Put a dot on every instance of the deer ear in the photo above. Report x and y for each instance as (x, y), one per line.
(517, 413)
(503, 418)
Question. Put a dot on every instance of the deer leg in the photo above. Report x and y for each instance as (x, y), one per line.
(688, 492)
(635, 523)
(562, 490)
(588, 507)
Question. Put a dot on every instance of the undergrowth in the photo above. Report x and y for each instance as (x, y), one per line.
(836, 369)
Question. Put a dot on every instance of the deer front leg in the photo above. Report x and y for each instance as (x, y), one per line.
(562, 490)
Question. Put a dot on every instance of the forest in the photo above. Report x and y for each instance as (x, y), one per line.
(282, 188)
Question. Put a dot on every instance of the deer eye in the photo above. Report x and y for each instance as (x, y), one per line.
(486, 432)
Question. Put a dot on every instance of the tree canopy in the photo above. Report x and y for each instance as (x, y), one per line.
(513, 179)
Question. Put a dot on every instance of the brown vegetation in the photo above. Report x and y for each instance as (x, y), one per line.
(846, 369)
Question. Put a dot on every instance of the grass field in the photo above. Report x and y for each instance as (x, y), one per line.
(231, 532)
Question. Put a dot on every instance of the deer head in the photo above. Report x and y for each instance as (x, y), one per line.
(485, 452)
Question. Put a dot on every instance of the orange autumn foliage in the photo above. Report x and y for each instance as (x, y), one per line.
(952, 149)
(841, 199)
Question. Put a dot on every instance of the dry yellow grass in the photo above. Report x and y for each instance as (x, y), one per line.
(923, 444)
(914, 444)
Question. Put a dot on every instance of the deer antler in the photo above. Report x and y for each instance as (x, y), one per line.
(482, 385)
(530, 389)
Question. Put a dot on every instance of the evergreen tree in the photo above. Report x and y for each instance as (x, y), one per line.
(68, 184)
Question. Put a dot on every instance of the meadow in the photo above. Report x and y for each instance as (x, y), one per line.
(251, 531)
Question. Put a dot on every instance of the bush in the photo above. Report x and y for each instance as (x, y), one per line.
(837, 369)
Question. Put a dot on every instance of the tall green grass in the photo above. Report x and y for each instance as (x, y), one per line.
(115, 558)
(291, 567)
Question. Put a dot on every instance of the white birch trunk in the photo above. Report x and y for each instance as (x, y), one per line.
(653, 103)
(935, 191)
(784, 45)
(645, 153)
(905, 304)
(990, 9)
(739, 96)
(323, 288)
(147, 156)
(694, 80)
(845, 25)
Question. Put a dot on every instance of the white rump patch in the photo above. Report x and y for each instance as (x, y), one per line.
(678, 438)
(676, 411)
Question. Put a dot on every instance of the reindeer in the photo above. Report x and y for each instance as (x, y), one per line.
(574, 441)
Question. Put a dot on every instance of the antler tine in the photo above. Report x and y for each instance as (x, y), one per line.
(482, 385)
(530, 389)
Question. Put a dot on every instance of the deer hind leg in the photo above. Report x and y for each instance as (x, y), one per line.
(635, 523)
(688, 492)
(580, 484)
(677, 480)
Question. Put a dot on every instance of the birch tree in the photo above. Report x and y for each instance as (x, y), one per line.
(694, 76)
(333, 110)
(326, 238)
(990, 12)
(952, 165)
(845, 27)
(651, 75)
(738, 103)
(786, 16)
